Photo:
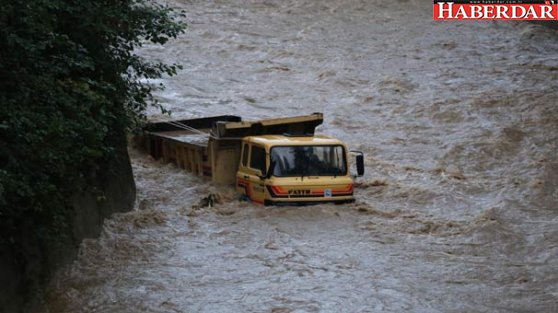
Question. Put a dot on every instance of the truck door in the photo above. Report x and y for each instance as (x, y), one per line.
(257, 165)
(242, 177)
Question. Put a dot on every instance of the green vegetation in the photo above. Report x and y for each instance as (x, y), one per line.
(69, 83)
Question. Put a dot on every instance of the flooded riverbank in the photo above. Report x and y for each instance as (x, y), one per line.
(457, 211)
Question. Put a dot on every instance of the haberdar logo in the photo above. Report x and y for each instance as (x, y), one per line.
(546, 10)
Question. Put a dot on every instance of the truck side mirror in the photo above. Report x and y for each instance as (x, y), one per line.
(266, 173)
(271, 169)
(359, 162)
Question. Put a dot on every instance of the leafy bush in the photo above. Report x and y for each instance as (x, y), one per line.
(69, 82)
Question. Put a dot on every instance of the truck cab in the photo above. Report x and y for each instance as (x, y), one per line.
(282, 169)
(269, 161)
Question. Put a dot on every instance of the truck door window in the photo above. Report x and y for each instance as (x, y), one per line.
(257, 158)
(245, 155)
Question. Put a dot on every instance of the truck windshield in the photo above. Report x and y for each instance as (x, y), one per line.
(308, 161)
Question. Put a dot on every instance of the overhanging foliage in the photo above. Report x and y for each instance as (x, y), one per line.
(69, 80)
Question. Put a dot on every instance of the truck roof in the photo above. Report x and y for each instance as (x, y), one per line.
(283, 140)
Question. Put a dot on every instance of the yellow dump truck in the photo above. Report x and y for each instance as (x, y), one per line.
(270, 161)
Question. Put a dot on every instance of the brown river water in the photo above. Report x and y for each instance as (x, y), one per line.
(458, 210)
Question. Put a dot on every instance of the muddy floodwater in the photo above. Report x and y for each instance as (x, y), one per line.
(457, 212)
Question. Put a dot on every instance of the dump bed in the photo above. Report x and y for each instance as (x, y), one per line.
(211, 146)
